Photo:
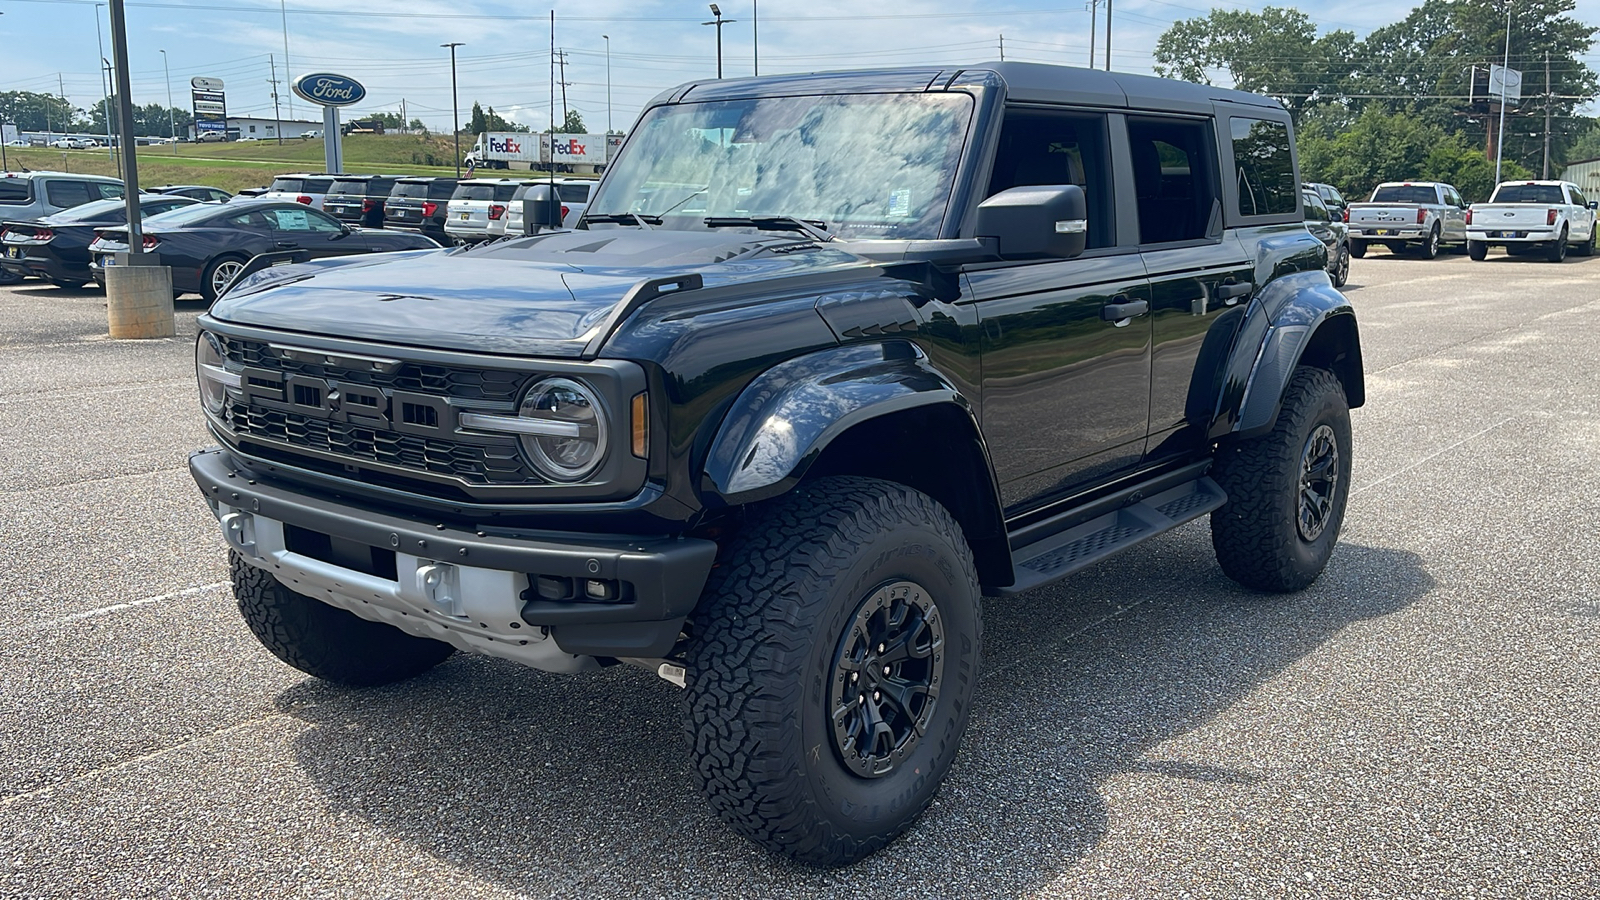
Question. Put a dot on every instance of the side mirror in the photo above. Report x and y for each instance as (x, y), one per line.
(1594, 204)
(541, 208)
(1036, 222)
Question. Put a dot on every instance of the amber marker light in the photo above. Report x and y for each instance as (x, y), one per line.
(641, 425)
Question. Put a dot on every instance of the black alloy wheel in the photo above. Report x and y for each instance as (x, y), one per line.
(1341, 269)
(886, 678)
(1556, 250)
(1319, 482)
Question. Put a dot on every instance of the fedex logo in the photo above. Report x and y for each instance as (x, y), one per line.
(568, 148)
(506, 145)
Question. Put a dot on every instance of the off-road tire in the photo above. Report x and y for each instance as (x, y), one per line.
(1477, 251)
(1358, 249)
(1556, 250)
(1257, 538)
(1430, 244)
(326, 641)
(761, 668)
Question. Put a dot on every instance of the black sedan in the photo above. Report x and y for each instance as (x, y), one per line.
(56, 248)
(202, 192)
(208, 245)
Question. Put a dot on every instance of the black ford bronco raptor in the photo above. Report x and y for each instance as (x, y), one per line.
(830, 359)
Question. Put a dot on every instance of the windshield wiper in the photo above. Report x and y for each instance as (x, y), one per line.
(625, 218)
(814, 230)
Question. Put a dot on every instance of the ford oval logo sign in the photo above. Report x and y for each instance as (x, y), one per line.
(329, 90)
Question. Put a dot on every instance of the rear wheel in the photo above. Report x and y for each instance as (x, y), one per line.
(834, 661)
(1587, 247)
(1341, 268)
(1477, 250)
(1358, 249)
(1430, 244)
(1556, 250)
(1286, 489)
(219, 275)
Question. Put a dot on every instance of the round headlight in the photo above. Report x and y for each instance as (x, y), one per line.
(569, 440)
(209, 373)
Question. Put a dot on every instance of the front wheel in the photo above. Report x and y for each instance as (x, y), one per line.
(1477, 250)
(1358, 249)
(326, 641)
(1286, 489)
(834, 660)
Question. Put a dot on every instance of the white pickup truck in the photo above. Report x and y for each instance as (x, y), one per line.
(1524, 216)
(1426, 214)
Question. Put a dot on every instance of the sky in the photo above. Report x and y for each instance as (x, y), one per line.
(393, 46)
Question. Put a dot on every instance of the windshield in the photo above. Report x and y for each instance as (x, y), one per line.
(1404, 193)
(1528, 193)
(866, 166)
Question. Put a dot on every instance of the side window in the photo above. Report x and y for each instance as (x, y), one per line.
(250, 219)
(66, 193)
(15, 190)
(1175, 178)
(1314, 208)
(290, 219)
(1263, 158)
(107, 191)
(1041, 147)
(320, 222)
(1452, 198)
(1577, 197)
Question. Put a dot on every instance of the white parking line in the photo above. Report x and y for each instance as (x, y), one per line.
(1439, 452)
(119, 607)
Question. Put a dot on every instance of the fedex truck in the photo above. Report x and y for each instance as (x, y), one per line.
(499, 149)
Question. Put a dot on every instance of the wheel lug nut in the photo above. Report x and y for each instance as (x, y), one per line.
(885, 670)
(855, 676)
(876, 695)
(862, 698)
(881, 648)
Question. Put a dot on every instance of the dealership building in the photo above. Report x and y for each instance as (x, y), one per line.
(244, 126)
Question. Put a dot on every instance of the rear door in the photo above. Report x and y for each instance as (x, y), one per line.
(1066, 391)
(1198, 271)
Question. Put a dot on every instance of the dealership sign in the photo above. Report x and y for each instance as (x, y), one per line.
(326, 89)
(210, 106)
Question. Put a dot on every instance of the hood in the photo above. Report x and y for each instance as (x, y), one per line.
(535, 296)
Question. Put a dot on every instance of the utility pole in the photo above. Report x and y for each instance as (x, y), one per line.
(561, 60)
(1108, 35)
(107, 64)
(755, 34)
(1499, 149)
(284, 10)
(277, 118)
(1547, 95)
(1002, 47)
(1094, 7)
(719, 21)
(608, 82)
(405, 123)
(172, 121)
(455, 104)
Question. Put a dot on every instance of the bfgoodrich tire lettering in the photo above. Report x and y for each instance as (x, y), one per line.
(1261, 535)
(778, 614)
(326, 641)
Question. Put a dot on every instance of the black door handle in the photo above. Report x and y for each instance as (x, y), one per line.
(1123, 308)
(287, 245)
(1232, 291)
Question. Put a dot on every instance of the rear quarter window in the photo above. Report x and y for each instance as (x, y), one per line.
(15, 190)
(1264, 161)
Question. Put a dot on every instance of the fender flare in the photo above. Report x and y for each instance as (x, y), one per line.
(783, 420)
(1310, 321)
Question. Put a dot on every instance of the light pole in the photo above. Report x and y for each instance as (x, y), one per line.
(608, 82)
(755, 34)
(719, 21)
(172, 121)
(455, 104)
(1500, 143)
(106, 65)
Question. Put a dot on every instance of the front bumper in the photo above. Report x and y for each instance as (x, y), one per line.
(474, 590)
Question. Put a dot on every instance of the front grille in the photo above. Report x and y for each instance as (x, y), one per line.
(449, 381)
(379, 426)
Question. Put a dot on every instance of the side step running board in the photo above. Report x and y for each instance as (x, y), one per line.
(1063, 553)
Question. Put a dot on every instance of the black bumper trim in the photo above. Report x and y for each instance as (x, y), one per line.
(665, 574)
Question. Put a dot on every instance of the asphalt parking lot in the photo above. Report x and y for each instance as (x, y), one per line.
(1422, 722)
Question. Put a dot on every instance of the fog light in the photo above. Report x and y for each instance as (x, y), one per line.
(599, 590)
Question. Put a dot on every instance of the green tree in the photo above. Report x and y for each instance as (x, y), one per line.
(31, 111)
(1380, 146)
(1275, 52)
(478, 124)
(417, 127)
(573, 124)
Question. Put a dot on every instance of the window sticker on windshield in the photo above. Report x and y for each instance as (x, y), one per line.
(292, 220)
(900, 204)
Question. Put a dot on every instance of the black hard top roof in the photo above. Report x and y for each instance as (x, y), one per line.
(1024, 82)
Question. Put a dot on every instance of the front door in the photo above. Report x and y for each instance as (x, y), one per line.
(1066, 378)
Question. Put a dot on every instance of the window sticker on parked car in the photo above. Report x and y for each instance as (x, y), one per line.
(292, 220)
